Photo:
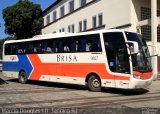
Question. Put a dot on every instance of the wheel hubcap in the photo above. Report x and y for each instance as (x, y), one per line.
(22, 77)
(96, 83)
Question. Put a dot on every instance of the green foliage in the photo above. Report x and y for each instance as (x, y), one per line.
(23, 20)
(1, 44)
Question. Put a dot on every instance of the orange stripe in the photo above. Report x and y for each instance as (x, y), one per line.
(143, 75)
(69, 69)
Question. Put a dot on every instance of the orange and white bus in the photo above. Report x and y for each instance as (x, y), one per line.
(106, 58)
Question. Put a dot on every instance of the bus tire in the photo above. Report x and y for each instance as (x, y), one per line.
(22, 77)
(94, 83)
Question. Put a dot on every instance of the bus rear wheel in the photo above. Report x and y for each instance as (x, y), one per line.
(22, 77)
(94, 84)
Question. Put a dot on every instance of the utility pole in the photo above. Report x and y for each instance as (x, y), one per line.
(154, 36)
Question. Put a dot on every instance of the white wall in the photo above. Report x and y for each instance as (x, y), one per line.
(136, 11)
(136, 15)
(115, 13)
(57, 7)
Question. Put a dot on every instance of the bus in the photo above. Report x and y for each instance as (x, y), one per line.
(105, 58)
(0, 65)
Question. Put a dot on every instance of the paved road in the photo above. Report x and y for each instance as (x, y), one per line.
(78, 98)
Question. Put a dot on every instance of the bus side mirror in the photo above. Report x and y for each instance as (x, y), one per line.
(133, 47)
(153, 50)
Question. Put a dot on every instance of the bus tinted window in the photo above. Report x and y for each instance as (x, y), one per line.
(84, 43)
(34, 47)
(7, 49)
(21, 48)
(11, 49)
(89, 43)
(73, 44)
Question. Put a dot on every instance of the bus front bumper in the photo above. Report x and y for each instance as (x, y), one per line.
(139, 83)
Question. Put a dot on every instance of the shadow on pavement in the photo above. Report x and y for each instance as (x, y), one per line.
(127, 92)
(2, 82)
(52, 84)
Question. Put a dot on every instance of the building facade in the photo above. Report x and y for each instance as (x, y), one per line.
(86, 15)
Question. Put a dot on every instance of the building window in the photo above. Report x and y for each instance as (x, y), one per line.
(73, 28)
(44, 22)
(54, 16)
(48, 19)
(60, 30)
(100, 19)
(146, 32)
(80, 26)
(71, 6)
(69, 28)
(158, 34)
(62, 11)
(94, 22)
(63, 30)
(146, 13)
(84, 25)
(82, 3)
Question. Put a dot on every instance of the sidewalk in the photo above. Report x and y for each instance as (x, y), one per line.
(155, 85)
(2, 79)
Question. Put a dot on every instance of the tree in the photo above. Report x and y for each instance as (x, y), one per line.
(23, 20)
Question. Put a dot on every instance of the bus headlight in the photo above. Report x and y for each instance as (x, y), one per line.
(136, 77)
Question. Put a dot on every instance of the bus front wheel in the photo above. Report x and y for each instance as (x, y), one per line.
(22, 77)
(94, 84)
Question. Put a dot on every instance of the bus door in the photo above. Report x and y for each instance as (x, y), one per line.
(117, 58)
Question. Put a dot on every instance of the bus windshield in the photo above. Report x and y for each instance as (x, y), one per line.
(141, 62)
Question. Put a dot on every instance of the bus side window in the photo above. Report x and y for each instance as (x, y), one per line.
(40, 47)
(82, 45)
(36, 47)
(8, 49)
(54, 46)
(31, 48)
(66, 47)
(49, 50)
(21, 48)
(93, 43)
(20, 51)
(27, 48)
(93, 47)
(77, 46)
(73, 45)
(60, 46)
(48, 46)
(14, 49)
